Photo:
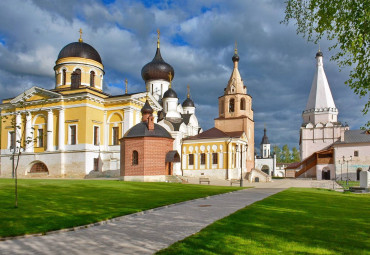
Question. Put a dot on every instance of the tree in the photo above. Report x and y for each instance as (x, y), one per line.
(295, 155)
(346, 23)
(277, 151)
(285, 154)
(19, 140)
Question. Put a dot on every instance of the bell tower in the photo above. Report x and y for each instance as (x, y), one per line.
(235, 110)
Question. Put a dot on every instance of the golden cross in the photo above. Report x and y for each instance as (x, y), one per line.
(158, 32)
(80, 40)
(188, 91)
(126, 86)
(236, 47)
(170, 76)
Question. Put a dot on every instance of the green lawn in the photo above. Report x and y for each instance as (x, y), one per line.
(295, 221)
(350, 184)
(46, 205)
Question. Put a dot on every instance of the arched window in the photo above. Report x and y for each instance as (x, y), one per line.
(76, 79)
(92, 79)
(232, 105)
(64, 77)
(39, 168)
(135, 158)
(242, 104)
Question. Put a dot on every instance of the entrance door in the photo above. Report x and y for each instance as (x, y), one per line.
(169, 168)
(326, 174)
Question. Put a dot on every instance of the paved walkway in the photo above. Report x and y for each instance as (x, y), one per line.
(152, 230)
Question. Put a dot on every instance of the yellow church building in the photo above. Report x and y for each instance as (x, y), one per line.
(72, 129)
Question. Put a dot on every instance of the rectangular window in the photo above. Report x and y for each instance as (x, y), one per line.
(96, 135)
(214, 158)
(115, 135)
(40, 137)
(355, 154)
(11, 140)
(73, 134)
(191, 159)
(203, 159)
(96, 164)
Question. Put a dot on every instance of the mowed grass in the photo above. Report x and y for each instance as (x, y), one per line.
(295, 221)
(46, 205)
(350, 184)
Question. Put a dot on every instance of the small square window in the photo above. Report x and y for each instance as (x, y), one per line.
(355, 153)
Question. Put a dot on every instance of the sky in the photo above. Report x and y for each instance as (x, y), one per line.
(197, 39)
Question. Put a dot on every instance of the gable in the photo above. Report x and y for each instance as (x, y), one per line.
(35, 93)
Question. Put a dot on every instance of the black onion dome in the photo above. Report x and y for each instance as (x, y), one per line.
(188, 103)
(141, 130)
(265, 139)
(147, 108)
(319, 54)
(81, 50)
(235, 57)
(157, 69)
(170, 93)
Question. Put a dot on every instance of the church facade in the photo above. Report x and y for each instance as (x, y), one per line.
(329, 150)
(74, 129)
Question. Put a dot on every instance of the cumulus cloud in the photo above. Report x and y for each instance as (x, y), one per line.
(197, 39)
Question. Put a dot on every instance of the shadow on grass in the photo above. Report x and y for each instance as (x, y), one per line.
(307, 221)
(46, 205)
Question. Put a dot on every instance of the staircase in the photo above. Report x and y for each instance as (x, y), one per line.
(173, 179)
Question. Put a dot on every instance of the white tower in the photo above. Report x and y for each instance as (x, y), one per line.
(320, 126)
(265, 146)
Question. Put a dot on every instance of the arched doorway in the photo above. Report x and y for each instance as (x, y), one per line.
(358, 171)
(325, 174)
(171, 157)
(256, 179)
(266, 169)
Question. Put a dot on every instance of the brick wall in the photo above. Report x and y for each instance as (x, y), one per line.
(152, 154)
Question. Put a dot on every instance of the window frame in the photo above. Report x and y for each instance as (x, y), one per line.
(115, 135)
(40, 137)
(96, 135)
(73, 134)
(202, 158)
(135, 158)
(214, 157)
(92, 79)
(191, 160)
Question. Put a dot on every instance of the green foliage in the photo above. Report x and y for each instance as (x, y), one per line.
(285, 155)
(46, 205)
(346, 23)
(295, 155)
(294, 221)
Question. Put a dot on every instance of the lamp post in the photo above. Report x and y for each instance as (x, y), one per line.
(241, 162)
(341, 167)
(344, 160)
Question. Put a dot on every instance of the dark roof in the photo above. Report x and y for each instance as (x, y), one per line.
(172, 156)
(141, 130)
(157, 69)
(186, 117)
(170, 93)
(265, 139)
(188, 103)
(215, 133)
(235, 57)
(319, 54)
(147, 108)
(355, 136)
(81, 50)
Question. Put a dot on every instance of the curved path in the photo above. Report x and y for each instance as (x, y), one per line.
(152, 230)
(139, 234)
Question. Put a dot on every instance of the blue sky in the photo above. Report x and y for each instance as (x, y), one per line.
(197, 39)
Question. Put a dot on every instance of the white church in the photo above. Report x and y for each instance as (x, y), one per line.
(329, 150)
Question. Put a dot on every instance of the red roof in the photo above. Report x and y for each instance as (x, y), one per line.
(215, 133)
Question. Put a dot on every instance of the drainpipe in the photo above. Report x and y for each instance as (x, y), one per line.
(182, 170)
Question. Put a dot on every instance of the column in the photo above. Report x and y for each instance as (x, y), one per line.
(128, 119)
(18, 131)
(61, 127)
(106, 132)
(29, 134)
(49, 131)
